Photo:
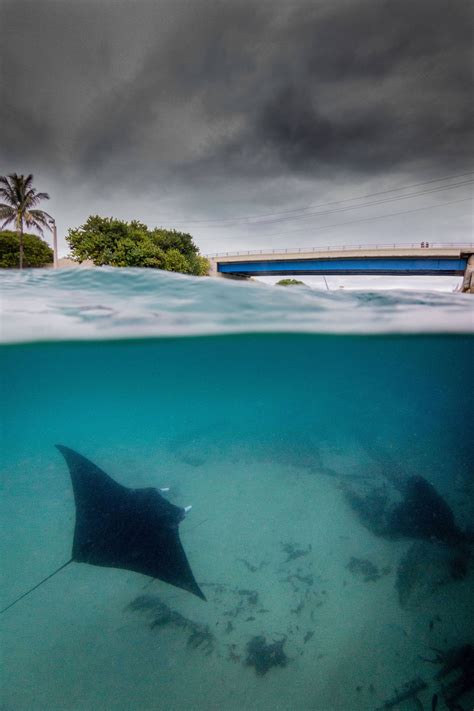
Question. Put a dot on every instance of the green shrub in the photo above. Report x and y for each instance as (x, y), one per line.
(105, 240)
(37, 253)
(290, 282)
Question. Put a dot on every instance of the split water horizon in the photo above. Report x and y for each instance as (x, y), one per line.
(324, 441)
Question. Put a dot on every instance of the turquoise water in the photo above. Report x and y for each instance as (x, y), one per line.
(267, 434)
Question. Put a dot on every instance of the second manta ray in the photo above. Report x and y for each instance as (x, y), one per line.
(118, 527)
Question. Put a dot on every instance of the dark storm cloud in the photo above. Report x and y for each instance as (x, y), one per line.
(237, 89)
(381, 84)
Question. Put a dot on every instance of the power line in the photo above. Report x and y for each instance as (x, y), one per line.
(376, 217)
(312, 206)
(361, 205)
(364, 219)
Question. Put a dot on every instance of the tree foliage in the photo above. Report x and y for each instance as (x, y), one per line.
(37, 253)
(290, 282)
(106, 240)
(19, 208)
(201, 265)
(171, 239)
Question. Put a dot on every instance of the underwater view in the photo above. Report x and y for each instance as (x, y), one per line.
(324, 443)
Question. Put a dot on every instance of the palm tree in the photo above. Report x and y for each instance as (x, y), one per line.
(20, 200)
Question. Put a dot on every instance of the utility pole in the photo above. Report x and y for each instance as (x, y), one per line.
(55, 243)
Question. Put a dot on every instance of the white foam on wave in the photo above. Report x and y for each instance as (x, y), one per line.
(107, 303)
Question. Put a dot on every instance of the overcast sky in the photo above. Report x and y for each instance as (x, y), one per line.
(250, 124)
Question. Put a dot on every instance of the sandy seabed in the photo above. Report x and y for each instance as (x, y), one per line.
(269, 543)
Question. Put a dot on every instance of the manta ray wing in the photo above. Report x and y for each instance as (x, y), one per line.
(133, 529)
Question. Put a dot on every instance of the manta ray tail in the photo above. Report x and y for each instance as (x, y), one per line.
(35, 586)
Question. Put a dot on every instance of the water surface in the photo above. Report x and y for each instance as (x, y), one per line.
(262, 408)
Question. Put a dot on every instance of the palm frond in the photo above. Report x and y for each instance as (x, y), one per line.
(42, 196)
(8, 215)
(38, 219)
(8, 195)
(21, 181)
(32, 198)
(4, 181)
(7, 212)
(40, 215)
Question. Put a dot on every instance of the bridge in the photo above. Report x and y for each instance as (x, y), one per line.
(393, 259)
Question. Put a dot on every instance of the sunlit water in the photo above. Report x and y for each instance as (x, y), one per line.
(280, 403)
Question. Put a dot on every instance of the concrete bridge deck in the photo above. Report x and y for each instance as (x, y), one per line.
(393, 259)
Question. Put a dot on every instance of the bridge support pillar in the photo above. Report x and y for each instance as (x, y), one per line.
(468, 281)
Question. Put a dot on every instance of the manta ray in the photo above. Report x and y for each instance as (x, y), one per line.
(118, 527)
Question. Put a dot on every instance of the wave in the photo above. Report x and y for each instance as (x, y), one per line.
(108, 303)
